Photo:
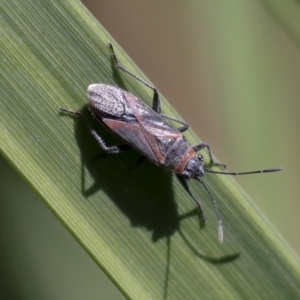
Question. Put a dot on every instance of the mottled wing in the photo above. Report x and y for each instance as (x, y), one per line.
(134, 122)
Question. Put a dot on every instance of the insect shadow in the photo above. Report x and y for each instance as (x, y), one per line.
(151, 208)
(145, 206)
(148, 206)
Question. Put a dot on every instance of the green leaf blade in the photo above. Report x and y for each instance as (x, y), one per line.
(129, 222)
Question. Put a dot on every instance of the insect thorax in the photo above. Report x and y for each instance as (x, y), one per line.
(173, 150)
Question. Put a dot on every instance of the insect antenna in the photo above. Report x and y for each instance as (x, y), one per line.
(220, 227)
(244, 173)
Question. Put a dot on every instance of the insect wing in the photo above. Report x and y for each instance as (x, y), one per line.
(147, 132)
(151, 122)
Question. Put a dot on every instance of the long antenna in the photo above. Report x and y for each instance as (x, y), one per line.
(220, 228)
(244, 173)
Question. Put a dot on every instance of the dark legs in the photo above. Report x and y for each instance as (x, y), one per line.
(108, 150)
(156, 101)
(211, 160)
(182, 128)
(183, 181)
(101, 143)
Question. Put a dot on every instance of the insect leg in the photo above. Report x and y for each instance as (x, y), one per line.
(109, 150)
(155, 101)
(183, 181)
(182, 128)
(212, 162)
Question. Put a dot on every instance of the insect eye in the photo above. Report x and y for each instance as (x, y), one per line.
(200, 157)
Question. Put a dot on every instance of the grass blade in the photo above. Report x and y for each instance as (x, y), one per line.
(138, 226)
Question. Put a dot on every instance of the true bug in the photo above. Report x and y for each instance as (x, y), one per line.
(146, 130)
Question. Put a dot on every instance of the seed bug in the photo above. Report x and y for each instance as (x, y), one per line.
(145, 129)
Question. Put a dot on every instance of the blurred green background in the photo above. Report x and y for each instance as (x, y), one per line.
(231, 69)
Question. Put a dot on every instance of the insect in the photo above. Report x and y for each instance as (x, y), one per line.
(146, 130)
